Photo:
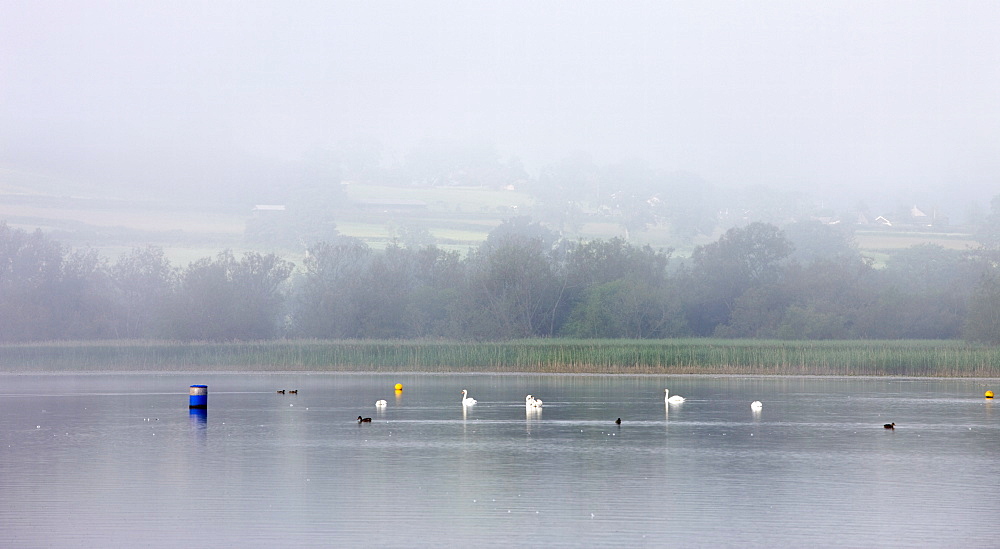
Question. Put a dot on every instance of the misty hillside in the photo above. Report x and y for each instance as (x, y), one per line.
(447, 197)
(269, 126)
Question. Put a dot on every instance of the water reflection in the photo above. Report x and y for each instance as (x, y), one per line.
(199, 417)
(532, 417)
(705, 473)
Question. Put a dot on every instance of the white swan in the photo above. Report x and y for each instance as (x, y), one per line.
(536, 402)
(466, 399)
(756, 405)
(529, 402)
(381, 404)
(676, 399)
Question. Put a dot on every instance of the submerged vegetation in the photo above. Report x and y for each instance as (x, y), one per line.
(674, 356)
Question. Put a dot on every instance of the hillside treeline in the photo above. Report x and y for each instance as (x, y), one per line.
(802, 281)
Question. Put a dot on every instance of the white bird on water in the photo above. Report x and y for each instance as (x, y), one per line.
(756, 405)
(531, 402)
(466, 399)
(676, 399)
(381, 404)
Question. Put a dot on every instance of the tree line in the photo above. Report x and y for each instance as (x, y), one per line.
(805, 280)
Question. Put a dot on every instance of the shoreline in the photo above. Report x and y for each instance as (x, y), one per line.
(95, 373)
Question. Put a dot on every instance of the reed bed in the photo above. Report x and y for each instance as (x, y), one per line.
(673, 356)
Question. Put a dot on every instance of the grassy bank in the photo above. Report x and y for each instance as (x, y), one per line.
(686, 356)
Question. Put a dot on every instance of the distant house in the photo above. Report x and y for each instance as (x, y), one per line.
(918, 217)
(906, 219)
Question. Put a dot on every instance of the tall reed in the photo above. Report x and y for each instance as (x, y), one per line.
(696, 356)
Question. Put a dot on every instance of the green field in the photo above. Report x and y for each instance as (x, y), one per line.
(447, 199)
(458, 218)
(684, 356)
(885, 240)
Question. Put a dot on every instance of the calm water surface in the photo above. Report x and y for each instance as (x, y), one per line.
(119, 461)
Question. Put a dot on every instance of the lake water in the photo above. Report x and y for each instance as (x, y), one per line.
(120, 461)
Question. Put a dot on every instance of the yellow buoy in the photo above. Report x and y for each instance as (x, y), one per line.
(989, 394)
(399, 386)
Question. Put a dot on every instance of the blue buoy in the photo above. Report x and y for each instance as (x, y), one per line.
(199, 396)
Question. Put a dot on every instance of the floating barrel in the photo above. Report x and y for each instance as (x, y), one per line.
(199, 396)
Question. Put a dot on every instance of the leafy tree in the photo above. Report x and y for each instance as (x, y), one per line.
(613, 287)
(513, 289)
(624, 309)
(413, 236)
(144, 281)
(745, 255)
(812, 321)
(924, 292)
(929, 268)
(30, 273)
(335, 273)
(757, 313)
(811, 240)
(600, 261)
(258, 281)
(519, 229)
(47, 293)
(84, 299)
(225, 299)
(383, 293)
(724, 270)
(989, 232)
(826, 297)
(983, 321)
(395, 287)
(434, 300)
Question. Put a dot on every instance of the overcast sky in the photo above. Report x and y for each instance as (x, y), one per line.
(823, 94)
